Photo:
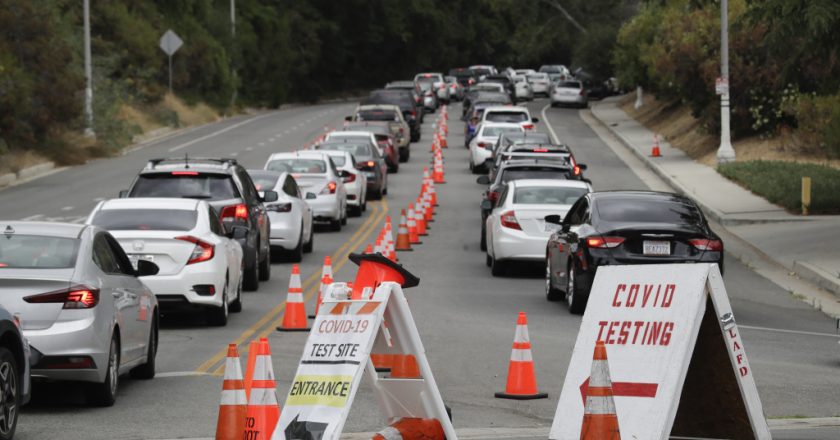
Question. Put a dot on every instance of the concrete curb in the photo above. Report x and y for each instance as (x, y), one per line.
(818, 276)
(26, 174)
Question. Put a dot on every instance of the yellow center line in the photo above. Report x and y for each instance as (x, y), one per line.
(246, 335)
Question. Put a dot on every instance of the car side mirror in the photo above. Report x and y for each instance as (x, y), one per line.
(348, 118)
(311, 196)
(535, 120)
(123, 193)
(269, 196)
(582, 166)
(236, 232)
(146, 268)
(553, 218)
(565, 227)
(486, 205)
(483, 180)
(343, 173)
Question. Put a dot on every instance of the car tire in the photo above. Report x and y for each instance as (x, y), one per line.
(335, 225)
(574, 297)
(311, 243)
(394, 169)
(10, 387)
(265, 267)
(405, 153)
(218, 316)
(251, 278)
(363, 208)
(236, 305)
(296, 254)
(147, 371)
(551, 294)
(384, 191)
(497, 268)
(483, 243)
(377, 195)
(487, 260)
(105, 392)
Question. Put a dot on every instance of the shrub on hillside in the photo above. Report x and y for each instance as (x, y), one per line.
(818, 119)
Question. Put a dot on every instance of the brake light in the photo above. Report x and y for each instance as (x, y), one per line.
(235, 212)
(528, 126)
(483, 145)
(330, 188)
(279, 207)
(576, 170)
(350, 178)
(704, 244)
(76, 297)
(540, 150)
(508, 220)
(370, 164)
(202, 251)
(582, 92)
(604, 242)
(185, 173)
(493, 196)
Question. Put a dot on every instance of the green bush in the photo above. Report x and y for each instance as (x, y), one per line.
(781, 183)
(819, 122)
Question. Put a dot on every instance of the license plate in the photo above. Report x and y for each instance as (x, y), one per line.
(656, 247)
(550, 227)
(134, 258)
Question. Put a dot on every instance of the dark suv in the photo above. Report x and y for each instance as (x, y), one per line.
(230, 191)
(403, 98)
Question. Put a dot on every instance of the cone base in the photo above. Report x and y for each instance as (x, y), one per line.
(311, 316)
(296, 329)
(383, 369)
(423, 235)
(521, 396)
(404, 250)
(416, 242)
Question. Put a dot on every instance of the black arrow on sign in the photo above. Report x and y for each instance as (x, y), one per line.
(303, 430)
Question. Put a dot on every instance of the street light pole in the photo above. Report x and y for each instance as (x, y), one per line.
(233, 49)
(725, 153)
(88, 74)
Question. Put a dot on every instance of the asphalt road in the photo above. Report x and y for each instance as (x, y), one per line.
(466, 317)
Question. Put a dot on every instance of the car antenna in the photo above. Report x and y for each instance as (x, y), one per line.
(186, 160)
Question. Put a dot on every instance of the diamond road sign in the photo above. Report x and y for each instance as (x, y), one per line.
(170, 42)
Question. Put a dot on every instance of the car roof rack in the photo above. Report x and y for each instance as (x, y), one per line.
(226, 162)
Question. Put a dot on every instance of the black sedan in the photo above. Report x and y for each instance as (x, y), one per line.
(624, 227)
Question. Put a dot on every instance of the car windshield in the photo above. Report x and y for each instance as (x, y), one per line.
(356, 149)
(377, 115)
(497, 116)
(496, 131)
(636, 210)
(338, 160)
(185, 184)
(37, 252)
(425, 85)
(264, 181)
(146, 219)
(298, 165)
(553, 195)
(569, 84)
(532, 173)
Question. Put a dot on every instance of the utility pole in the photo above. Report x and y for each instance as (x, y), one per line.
(725, 153)
(88, 74)
(233, 50)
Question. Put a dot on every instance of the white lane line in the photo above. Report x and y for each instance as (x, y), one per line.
(249, 148)
(78, 220)
(271, 139)
(32, 218)
(794, 332)
(218, 132)
(67, 208)
(234, 154)
(261, 144)
(99, 199)
(548, 124)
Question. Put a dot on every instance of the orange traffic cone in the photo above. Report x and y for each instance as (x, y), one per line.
(655, 152)
(326, 269)
(521, 381)
(325, 281)
(294, 317)
(234, 403)
(390, 252)
(368, 249)
(405, 367)
(429, 207)
(420, 219)
(382, 362)
(263, 409)
(403, 239)
(412, 226)
(412, 428)
(599, 418)
(253, 348)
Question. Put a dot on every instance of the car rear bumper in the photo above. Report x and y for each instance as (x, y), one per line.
(517, 245)
(285, 231)
(325, 207)
(478, 155)
(560, 98)
(70, 338)
(184, 284)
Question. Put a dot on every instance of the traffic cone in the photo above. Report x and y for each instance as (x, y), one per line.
(253, 348)
(433, 193)
(294, 317)
(263, 409)
(420, 219)
(234, 403)
(599, 418)
(382, 362)
(403, 240)
(412, 225)
(655, 152)
(429, 208)
(405, 367)
(390, 251)
(327, 268)
(368, 249)
(375, 269)
(326, 280)
(412, 428)
(521, 381)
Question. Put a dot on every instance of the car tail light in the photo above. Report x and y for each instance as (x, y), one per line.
(540, 150)
(493, 196)
(350, 178)
(528, 126)
(483, 145)
(704, 244)
(508, 220)
(582, 92)
(604, 242)
(235, 212)
(202, 251)
(576, 170)
(185, 173)
(76, 297)
(279, 207)
(330, 188)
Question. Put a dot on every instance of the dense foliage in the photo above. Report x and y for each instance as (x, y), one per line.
(283, 50)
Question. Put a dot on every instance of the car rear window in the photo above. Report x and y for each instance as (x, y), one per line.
(496, 131)
(637, 210)
(496, 116)
(537, 77)
(552, 195)
(377, 115)
(532, 173)
(185, 184)
(298, 166)
(339, 161)
(425, 85)
(37, 252)
(357, 150)
(569, 84)
(264, 181)
(146, 219)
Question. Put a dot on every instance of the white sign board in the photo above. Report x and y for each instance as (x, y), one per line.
(656, 321)
(721, 85)
(170, 42)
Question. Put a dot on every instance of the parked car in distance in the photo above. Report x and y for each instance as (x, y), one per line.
(368, 161)
(456, 90)
(228, 188)
(624, 227)
(439, 84)
(404, 99)
(522, 88)
(431, 102)
(382, 138)
(396, 122)
(85, 312)
(540, 83)
(516, 115)
(292, 228)
(199, 262)
(355, 183)
(569, 93)
(481, 145)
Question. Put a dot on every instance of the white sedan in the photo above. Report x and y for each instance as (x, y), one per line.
(292, 233)
(200, 263)
(355, 182)
(481, 145)
(513, 114)
(516, 228)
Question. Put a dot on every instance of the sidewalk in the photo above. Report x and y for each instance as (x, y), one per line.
(808, 246)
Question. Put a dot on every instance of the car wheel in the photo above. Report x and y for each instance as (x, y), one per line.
(483, 244)
(265, 267)
(147, 371)
(105, 393)
(344, 217)
(497, 268)
(575, 299)
(10, 399)
(384, 191)
(551, 294)
(218, 316)
(405, 153)
(487, 260)
(472, 168)
(236, 305)
(296, 254)
(377, 194)
(394, 169)
(311, 243)
(363, 208)
(335, 225)
(252, 280)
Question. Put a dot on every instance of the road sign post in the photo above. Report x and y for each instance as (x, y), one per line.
(170, 42)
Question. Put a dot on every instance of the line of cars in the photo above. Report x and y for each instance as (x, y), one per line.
(538, 207)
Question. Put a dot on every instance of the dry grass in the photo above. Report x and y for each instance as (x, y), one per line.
(190, 115)
(14, 161)
(676, 124)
